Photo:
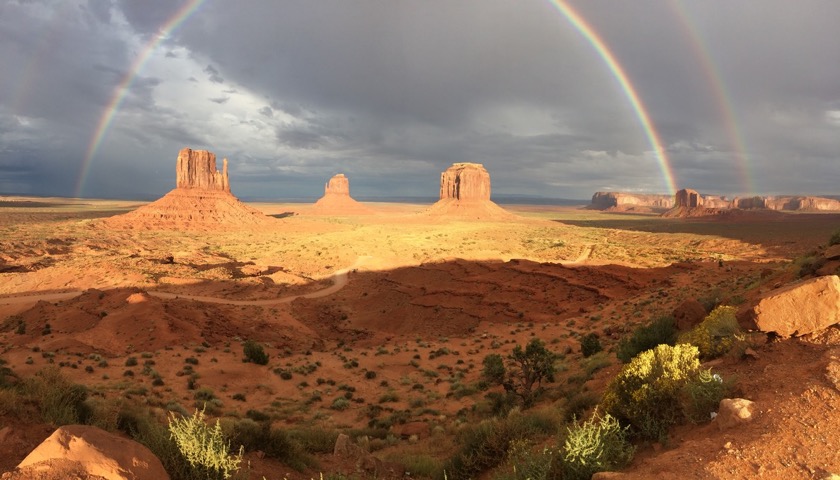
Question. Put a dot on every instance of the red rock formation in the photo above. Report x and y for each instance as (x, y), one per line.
(713, 201)
(749, 203)
(201, 201)
(801, 203)
(465, 181)
(337, 199)
(796, 309)
(338, 185)
(465, 193)
(197, 169)
(688, 198)
(626, 201)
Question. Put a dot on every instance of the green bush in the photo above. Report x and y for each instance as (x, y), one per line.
(60, 401)
(204, 447)
(494, 369)
(715, 335)
(597, 445)
(254, 353)
(701, 396)
(660, 331)
(835, 239)
(486, 445)
(275, 443)
(650, 393)
(590, 345)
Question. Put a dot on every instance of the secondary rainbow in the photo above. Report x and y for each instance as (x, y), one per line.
(123, 87)
(627, 87)
(724, 104)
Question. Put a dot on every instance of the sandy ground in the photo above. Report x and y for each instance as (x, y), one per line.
(418, 300)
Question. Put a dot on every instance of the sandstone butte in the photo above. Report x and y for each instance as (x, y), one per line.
(691, 199)
(201, 200)
(620, 201)
(465, 193)
(337, 199)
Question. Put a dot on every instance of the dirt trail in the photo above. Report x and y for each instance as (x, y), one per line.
(339, 279)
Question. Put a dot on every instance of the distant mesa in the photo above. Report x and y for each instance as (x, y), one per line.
(200, 201)
(690, 203)
(630, 202)
(337, 199)
(465, 193)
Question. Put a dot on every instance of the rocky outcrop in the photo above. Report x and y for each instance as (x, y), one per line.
(749, 203)
(337, 185)
(626, 201)
(688, 198)
(798, 309)
(197, 169)
(82, 451)
(715, 201)
(201, 201)
(689, 314)
(337, 200)
(465, 193)
(465, 181)
(803, 203)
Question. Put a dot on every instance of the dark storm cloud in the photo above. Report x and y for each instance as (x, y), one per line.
(213, 74)
(393, 92)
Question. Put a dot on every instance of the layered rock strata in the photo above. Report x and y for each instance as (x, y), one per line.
(465, 193)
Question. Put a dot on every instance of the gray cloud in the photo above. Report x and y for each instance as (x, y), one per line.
(392, 92)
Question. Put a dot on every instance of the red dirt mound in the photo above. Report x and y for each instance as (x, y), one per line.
(192, 209)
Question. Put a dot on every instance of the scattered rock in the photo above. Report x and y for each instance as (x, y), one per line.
(689, 314)
(733, 412)
(81, 451)
(377, 468)
(750, 353)
(796, 309)
(832, 372)
(832, 252)
(342, 445)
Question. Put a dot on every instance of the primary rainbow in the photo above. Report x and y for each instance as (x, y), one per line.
(724, 104)
(627, 87)
(122, 88)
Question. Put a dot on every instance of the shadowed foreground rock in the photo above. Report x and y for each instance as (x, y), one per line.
(85, 452)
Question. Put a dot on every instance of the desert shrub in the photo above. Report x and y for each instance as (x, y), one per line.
(597, 445)
(701, 396)
(808, 266)
(577, 403)
(651, 392)
(205, 448)
(59, 401)
(527, 465)
(419, 465)
(315, 440)
(130, 361)
(254, 353)
(835, 239)
(524, 372)
(486, 445)
(715, 335)
(275, 443)
(340, 404)
(590, 344)
(660, 331)
(494, 369)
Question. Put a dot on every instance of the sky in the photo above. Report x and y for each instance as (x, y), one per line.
(741, 97)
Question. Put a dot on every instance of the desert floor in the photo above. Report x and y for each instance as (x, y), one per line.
(417, 300)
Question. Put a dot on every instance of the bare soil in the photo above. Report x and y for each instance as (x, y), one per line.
(417, 299)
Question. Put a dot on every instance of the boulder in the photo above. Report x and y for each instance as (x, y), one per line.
(689, 314)
(82, 451)
(798, 309)
(733, 412)
(342, 446)
(832, 252)
(197, 169)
